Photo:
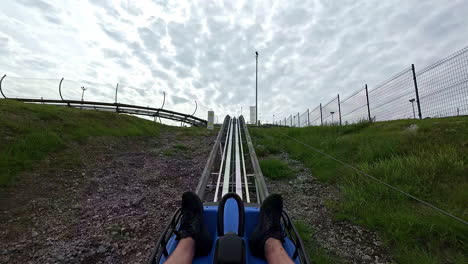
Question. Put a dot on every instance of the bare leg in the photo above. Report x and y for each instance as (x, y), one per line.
(275, 253)
(183, 253)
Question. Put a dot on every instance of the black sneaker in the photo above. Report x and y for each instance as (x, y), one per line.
(269, 225)
(191, 224)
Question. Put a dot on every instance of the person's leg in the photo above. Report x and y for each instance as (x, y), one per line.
(193, 237)
(266, 240)
(275, 253)
(183, 253)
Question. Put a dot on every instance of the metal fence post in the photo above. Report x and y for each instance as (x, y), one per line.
(368, 107)
(321, 116)
(291, 120)
(308, 117)
(416, 89)
(339, 108)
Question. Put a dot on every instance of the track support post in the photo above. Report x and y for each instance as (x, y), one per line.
(1, 91)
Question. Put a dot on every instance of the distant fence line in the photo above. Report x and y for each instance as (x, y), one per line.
(440, 90)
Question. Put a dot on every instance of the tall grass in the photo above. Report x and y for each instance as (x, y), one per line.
(276, 169)
(430, 162)
(28, 132)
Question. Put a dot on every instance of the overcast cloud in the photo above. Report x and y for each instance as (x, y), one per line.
(205, 51)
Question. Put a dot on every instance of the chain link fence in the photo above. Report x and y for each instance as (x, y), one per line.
(440, 90)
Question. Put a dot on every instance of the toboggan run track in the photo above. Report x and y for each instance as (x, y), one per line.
(232, 167)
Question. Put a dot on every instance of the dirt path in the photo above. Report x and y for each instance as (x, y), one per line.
(306, 198)
(110, 209)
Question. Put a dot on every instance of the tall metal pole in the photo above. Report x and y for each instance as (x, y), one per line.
(368, 107)
(256, 87)
(339, 108)
(417, 92)
(308, 117)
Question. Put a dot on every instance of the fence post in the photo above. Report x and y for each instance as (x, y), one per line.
(308, 117)
(321, 116)
(416, 89)
(339, 108)
(291, 120)
(368, 107)
(285, 122)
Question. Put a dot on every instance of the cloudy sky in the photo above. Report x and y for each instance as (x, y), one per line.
(205, 50)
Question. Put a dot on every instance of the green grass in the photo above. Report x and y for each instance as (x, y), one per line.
(276, 169)
(29, 132)
(430, 163)
(317, 255)
(180, 147)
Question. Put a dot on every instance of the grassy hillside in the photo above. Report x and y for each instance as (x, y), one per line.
(28, 132)
(427, 158)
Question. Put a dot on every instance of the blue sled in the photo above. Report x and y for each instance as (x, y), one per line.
(230, 223)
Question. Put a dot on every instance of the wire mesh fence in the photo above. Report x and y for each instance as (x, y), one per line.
(354, 107)
(330, 112)
(304, 119)
(315, 116)
(443, 86)
(439, 90)
(392, 99)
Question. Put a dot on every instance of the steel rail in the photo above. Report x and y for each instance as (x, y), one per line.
(123, 108)
(238, 166)
(222, 162)
(201, 187)
(247, 194)
(260, 183)
(227, 170)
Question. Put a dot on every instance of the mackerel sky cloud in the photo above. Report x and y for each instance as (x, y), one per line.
(205, 50)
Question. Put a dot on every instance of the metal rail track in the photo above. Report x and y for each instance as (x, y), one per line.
(121, 108)
(233, 166)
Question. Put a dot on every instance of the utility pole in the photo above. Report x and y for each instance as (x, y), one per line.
(256, 87)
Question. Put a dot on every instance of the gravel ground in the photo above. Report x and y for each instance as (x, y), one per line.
(110, 210)
(305, 199)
